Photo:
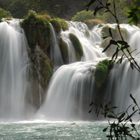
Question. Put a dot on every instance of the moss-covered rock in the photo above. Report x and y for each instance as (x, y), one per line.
(38, 33)
(77, 46)
(59, 24)
(37, 30)
(56, 25)
(64, 50)
(63, 23)
(101, 73)
(40, 72)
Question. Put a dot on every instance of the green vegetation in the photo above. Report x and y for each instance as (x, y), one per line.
(20, 8)
(59, 24)
(42, 67)
(62, 8)
(83, 16)
(56, 25)
(122, 126)
(40, 71)
(56, 8)
(77, 46)
(101, 73)
(37, 30)
(4, 14)
(62, 22)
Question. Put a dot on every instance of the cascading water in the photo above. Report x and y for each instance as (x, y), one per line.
(13, 61)
(90, 40)
(72, 87)
(66, 94)
(55, 50)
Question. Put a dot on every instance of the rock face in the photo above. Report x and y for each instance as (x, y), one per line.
(77, 46)
(38, 30)
(40, 71)
(64, 50)
(101, 73)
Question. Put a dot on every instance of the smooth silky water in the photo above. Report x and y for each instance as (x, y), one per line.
(64, 113)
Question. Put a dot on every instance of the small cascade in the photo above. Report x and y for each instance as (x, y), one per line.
(72, 87)
(13, 61)
(122, 82)
(89, 39)
(55, 50)
(67, 99)
(71, 50)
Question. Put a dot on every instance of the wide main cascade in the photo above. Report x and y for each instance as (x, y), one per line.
(73, 85)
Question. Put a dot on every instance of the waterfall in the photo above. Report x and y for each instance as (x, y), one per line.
(13, 61)
(90, 40)
(66, 100)
(72, 87)
(66, 93)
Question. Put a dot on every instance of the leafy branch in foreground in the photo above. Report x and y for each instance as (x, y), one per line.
(121, 45)
(121, 125)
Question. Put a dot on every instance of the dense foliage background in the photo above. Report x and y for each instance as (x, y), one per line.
(61, 8)
(64, 8)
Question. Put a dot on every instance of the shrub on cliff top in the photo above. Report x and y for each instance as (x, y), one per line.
(4, 14)
(83, 16)
(59, 24)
